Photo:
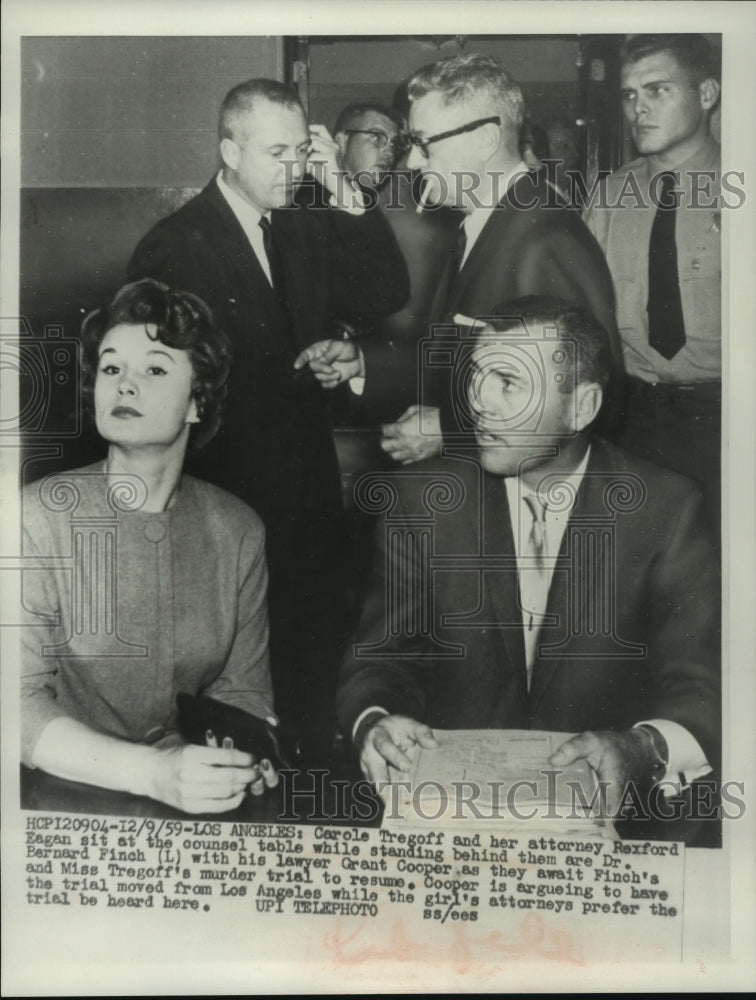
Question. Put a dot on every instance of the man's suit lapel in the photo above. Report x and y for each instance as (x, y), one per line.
(237, 250)
(294, 254)
(562, 592)
(527, 191)
(246, 270)
(502, 585)
(484, 249)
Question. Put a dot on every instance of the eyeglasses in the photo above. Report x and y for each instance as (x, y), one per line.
(422, 144)
(379, 139)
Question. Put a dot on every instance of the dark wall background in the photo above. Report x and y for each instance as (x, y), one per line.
(121, 112)
(133, 112)
(344, 70)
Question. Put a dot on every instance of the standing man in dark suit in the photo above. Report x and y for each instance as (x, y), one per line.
(543, 579)
(275, 267)
(516, 239)
(373, 153)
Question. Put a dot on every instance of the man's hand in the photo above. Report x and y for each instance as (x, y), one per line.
(333, 361)
(324, 164)
(414, 436)
(209, 779)
(617, 759)
(386, 742)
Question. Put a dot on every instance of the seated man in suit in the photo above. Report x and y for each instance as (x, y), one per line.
(541, 578)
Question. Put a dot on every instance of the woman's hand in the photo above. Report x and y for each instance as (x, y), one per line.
(267, 776)
(191, 778)
(199, 779)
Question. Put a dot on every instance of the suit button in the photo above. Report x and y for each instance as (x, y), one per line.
(155, 531)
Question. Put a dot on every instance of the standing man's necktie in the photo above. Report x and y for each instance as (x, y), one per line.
(457, 255)
(274, 259)
(666, 327)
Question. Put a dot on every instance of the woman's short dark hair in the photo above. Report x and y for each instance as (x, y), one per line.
(181, 321)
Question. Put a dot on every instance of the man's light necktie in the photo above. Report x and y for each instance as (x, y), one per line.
(537, 537)
(535, 579)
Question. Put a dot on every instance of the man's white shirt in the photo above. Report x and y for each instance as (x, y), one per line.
(249, 219)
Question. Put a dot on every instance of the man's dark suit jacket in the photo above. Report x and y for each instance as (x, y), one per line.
(532, 244)
(449, 649)
(275, 447)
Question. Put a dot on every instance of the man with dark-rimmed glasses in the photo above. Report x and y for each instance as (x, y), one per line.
(516, 239)
(369, 137)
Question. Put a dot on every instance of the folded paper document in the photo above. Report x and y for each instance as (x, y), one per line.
(504, 773)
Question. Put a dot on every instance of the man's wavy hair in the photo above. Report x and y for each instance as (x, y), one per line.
(179, 320)
(240, 101)
(591, 358)
(475, 79)
(692, 52)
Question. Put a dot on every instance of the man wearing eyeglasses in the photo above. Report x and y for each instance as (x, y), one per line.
(368, 137)
(372, 142)
(516, 239)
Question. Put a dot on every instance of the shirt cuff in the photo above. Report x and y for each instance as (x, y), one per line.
(357, 384)
(687, 761)
(355, 202)
(373, 710)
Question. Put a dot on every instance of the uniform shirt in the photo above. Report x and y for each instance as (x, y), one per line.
(622, 226)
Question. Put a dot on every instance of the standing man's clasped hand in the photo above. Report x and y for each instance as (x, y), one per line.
(414, 436)
(333, 361)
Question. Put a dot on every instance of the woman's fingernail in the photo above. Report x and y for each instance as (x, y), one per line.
(228, 743)
(209, 735)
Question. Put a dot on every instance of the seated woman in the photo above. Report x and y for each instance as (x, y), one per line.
(146, 582)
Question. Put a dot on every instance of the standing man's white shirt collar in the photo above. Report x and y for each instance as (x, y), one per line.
(475, 220)
(249, 219)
